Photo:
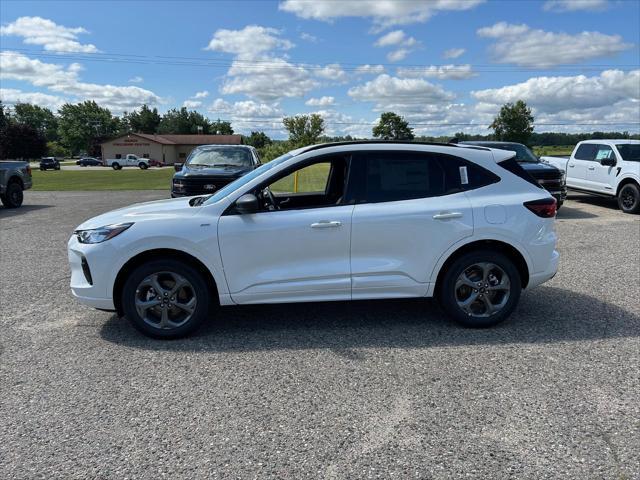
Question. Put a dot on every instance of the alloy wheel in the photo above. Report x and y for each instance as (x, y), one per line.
(482, 289)
(165, 300)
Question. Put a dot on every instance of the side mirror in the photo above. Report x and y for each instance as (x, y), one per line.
(177, 166)
(608, 162)
(247, 203)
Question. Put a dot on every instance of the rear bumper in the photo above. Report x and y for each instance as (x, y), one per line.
(546, 275)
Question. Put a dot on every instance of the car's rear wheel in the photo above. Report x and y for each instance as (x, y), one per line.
(115, 166)
(165, 299)
(629, 198)
(13, 196)
(480, 289)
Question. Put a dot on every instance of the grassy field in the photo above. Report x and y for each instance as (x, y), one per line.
(553, 150)
(103, 179)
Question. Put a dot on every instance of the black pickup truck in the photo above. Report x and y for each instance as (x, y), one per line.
(211, 167)
(548, 176)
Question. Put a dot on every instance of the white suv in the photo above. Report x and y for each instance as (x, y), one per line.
(346, 221)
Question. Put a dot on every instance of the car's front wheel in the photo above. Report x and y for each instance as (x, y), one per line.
(115, 166)
(13, 196)
(166, 299)
(480, 289)
(629, 198)
(143, 166)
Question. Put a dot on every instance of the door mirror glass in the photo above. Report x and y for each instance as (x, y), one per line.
(247, 203)
(177, 166)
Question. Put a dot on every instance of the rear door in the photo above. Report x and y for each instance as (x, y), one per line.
(577, 166)
(602, 177)
(408, 213)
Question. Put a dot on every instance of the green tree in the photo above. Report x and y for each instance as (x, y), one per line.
(143, 120)
(304, 129)
(183, 121)
(257, 139)
(21, 141)
(41, 119)
(220, 127)
(392, 127)
(54, 149)
(274, 150)
(83, 126)
(514, 123)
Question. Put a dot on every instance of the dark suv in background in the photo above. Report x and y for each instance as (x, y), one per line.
(49, 163)
(548, 176)
(211, 167)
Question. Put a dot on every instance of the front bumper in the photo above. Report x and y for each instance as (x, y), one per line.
(90, 288)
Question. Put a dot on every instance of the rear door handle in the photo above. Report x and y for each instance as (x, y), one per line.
(592, 168)
(447, 215)
(326, 224)
(571, 166)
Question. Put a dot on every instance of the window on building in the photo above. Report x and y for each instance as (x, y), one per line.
(182, 155)
(118, 155)
(145, 155)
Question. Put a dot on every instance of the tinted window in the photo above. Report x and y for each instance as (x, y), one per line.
(586, 151)
(604, 151)
(629, 151)
(392, 176)
(220, 157)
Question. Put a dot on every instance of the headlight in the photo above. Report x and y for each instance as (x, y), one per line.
(102, 234)
(178, 185)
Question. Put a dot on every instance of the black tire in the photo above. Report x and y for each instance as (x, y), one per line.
(57, 167)
(13, 196)
(629, 198)
(116, 166)
(132, 287)
(143, 166)
(42, 169)
(448, 295)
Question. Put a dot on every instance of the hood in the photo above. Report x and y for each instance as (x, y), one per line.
(220, 172)
(141, 212)
(537, 167)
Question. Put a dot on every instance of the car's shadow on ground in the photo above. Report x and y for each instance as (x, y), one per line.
(545, 315)
(24, 209)
(604, 202)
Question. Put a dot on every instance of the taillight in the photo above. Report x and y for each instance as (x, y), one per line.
(545, 208)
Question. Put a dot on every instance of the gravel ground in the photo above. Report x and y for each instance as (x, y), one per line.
(339, 390)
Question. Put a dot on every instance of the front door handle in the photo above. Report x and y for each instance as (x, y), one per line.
(447, 215)
(326, 224)
(571, 165)
(592, 168)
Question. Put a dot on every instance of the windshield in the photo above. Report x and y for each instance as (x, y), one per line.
(523, 154)
(629, 151)
(238, 183)
(220, 157)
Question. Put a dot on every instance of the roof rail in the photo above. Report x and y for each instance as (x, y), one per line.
(390, 142)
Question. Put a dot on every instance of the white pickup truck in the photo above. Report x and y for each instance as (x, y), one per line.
(609, 168)
(129, 160)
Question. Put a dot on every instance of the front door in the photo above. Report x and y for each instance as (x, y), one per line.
(602, 177)
(297, 247)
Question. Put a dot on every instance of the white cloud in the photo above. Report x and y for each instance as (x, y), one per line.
(392, 93)
(307, 37)
(252, 40)
(453, 52)
(48, 34)
(392, 38)
(321, 102)
(369, 69)
(249, 115)
(136, 79)
(202, 94)
(398, 55)
(332, 72)
(11, 96)
(399, 39)
(556, 94)
(192, 104)
(575, 5)
(56, 78)
(521, 45)
(383, 13)
(441, 72)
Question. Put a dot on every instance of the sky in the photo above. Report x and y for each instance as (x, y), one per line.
(445, 65)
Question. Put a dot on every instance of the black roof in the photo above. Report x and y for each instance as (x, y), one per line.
(389, 142)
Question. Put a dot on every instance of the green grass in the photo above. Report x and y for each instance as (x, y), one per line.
(310, 179)
(553, 150)
(103, 179)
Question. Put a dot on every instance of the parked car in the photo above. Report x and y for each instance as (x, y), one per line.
(211, 167)
(370, 220)
(548, 176)
(89, 162)
(49, 163)
(15, 177)
(156, 163)
(609, 168)
(129, 160)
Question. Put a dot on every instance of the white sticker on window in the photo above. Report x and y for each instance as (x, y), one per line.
(464, 177)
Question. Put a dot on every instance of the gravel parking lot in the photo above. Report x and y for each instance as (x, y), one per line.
(339, 390)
